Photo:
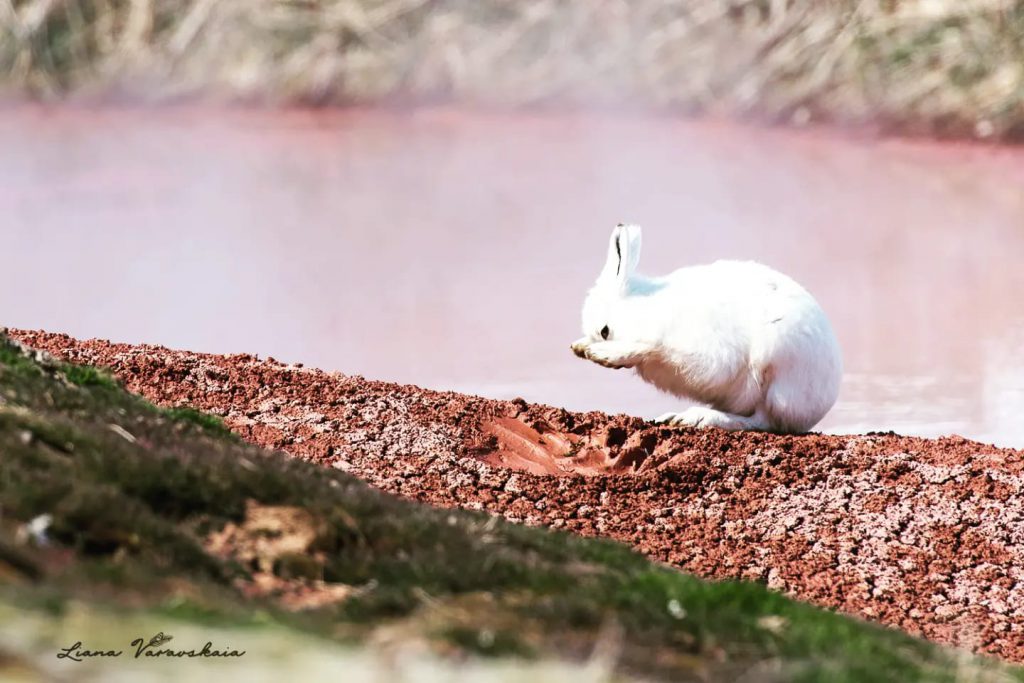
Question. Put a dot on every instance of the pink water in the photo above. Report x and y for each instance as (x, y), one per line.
(452, 250)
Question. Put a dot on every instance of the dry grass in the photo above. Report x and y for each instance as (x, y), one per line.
(936, 66)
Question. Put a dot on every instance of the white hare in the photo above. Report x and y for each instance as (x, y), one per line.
(745, 340)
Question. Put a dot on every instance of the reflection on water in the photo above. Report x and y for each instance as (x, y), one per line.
(453, 250)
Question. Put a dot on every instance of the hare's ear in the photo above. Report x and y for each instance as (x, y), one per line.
(623, 254)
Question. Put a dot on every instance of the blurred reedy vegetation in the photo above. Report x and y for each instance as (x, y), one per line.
(932, 66)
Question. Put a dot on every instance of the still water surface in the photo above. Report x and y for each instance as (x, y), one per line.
(452, 250)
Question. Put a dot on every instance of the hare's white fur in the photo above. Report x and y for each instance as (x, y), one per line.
(745, 340)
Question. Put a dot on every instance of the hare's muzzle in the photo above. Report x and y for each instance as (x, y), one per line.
(580, 349)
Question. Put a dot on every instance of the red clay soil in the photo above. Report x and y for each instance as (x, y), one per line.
(922, 534)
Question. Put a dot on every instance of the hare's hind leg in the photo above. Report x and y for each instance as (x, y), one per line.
(703, 417)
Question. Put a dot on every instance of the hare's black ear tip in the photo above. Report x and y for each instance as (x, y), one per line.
(620, 225)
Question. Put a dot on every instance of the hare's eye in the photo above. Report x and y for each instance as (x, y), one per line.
(604, 332)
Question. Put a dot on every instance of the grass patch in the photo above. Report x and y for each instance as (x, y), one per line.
(22, 365)
(209, 423)
(144, 514)
(87, 376)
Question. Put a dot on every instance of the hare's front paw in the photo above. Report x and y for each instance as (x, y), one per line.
(608, 354)
(611, 354)
(615, 354)
(580, 348)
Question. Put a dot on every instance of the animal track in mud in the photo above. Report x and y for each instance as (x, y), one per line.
(516, 445)
(545, 449)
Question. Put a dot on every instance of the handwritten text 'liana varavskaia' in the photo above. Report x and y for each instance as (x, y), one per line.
(147, 648)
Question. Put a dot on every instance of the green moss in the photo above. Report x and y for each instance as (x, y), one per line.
(12, 360)
(87, 376)
(210, 423)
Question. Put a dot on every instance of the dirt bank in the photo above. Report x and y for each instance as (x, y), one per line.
(925, 535)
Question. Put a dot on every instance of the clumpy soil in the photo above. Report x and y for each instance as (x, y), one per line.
(921, 534)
